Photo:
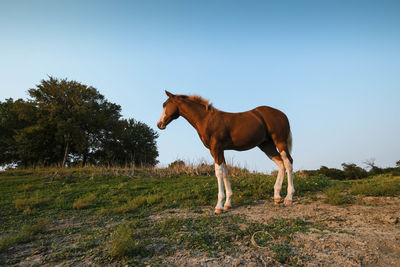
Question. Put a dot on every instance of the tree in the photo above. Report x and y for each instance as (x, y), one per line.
(66, 122)
(374, 170)
(133, 142)
(77, 114)
(332, 173)
(352, 171)
(9, 124)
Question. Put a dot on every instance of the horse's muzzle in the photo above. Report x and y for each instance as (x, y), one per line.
(161, 125)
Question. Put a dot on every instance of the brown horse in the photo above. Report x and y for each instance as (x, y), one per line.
(264, 127)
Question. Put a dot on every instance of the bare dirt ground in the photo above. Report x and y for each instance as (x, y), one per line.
(363, 234)
(366, 233)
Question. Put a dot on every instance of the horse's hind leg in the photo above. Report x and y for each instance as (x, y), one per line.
(228, 189)
(287, 161)
(270, 150)
(289, 170)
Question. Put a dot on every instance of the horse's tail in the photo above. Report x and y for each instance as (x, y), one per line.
(289, 141)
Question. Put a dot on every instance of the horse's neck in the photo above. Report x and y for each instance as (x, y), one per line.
(194, 113)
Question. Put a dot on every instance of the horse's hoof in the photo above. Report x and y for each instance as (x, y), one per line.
(288, 202)
(227, 207)
(277, 200)
(218, 211)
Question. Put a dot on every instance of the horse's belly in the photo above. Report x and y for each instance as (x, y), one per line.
(247, 139)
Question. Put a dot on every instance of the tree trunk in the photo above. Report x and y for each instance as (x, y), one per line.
(84, 160)
(65, 155)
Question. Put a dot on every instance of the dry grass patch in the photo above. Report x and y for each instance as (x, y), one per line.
(27, 204)
(137, 203)
(84, 202)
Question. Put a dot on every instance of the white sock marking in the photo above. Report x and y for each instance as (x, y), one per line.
(289, 171)
(221, 195)
(279, 179)
(228, 188)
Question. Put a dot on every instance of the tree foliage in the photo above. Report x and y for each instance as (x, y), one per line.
(10, 123)
(132, 142)
(66, 122)
(353, 171)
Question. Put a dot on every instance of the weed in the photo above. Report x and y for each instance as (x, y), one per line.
(282, 252)
(124, 242)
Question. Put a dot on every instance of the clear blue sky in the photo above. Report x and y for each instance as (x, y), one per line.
(332, 66)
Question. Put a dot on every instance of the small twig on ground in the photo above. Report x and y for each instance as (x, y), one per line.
(254, 243)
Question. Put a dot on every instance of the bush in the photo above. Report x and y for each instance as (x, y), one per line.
(350, 171)
(177, 164)
(337, 195)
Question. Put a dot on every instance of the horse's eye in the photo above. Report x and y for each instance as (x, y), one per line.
(163, 105)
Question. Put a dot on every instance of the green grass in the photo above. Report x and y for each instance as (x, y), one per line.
(107, 213)
(29, 195)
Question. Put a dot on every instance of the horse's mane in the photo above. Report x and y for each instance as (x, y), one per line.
(200, 100)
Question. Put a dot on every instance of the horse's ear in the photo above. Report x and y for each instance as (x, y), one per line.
(169, 94)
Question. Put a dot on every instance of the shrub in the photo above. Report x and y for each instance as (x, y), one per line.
(177, 164)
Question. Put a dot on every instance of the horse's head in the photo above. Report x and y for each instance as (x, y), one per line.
(170, 111)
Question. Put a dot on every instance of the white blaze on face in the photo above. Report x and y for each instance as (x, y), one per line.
(162, 116)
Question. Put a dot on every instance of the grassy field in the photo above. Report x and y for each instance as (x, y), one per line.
(111, 217)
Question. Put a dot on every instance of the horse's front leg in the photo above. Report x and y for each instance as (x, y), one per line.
(228, 189)
(219, 168)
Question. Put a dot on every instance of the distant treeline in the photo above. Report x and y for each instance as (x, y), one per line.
(352, 171)
(68, 123)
